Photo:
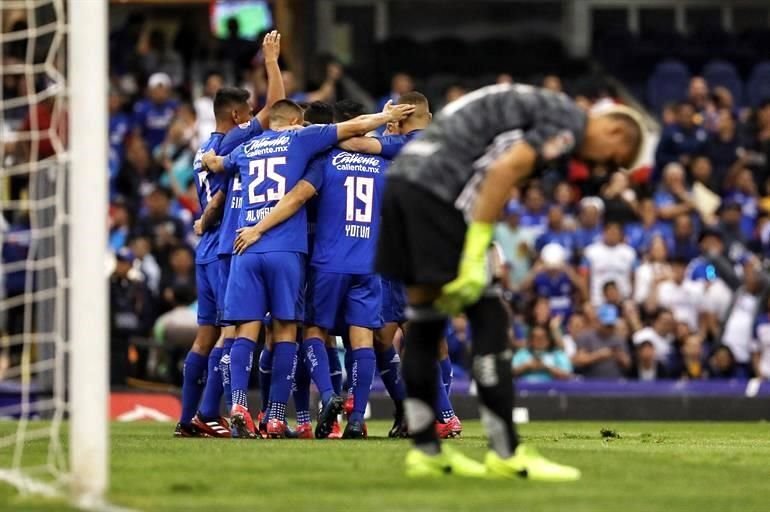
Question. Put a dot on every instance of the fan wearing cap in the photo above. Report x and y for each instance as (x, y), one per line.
(590, 214)
(552, 278)
(601, 353)
(153, 114)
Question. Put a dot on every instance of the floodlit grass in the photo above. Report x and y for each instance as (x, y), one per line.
(632, 467)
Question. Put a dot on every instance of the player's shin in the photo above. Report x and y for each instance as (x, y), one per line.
(265, 376)
(212, 393)
(284, 365)
(224, 367)
(492, 372)
(241, 357)
(195, 365)
(364, 363)
(420, 373)
(335, 368)
(317, 362)
(301, 393)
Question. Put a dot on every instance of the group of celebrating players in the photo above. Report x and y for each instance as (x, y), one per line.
(303, 238)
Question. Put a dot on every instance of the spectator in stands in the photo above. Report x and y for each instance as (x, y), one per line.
(153, 114)
(738, 329)
(760, 343)
(175, 157)
(723, 147)
(557, 233)
(400, 84)
(552, 83)
(757, 142)
(641, 233)
(534, 216)
(698, 94)
(684, 243)
(130, 314)
(680, 141)
(541, 360)
(554, 279)
(515, 243)
(660, 334)
(454, 92)
(576, 326)
(601, 354)
(620, 203)
(119, 128)
(141, 246)
(730, 224)
(590, 228)
(721, 365)
(742, 191)
(647, 366)
(679, 295)
(204, 106)
(564, 196)
(180, 272)
(459, 341)
(158, 57)
(609, 260)
(174, 327)
(137, 175)
(701, 171)
(653, 271)
(691, 361)
(164, 229)
(238, 51)
(120, 225)
(672, 198)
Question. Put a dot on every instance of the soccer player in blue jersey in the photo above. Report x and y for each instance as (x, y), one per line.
(271, 274)
(232, 112)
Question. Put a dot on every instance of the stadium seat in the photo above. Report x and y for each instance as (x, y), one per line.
(722, 73)
(758, 84)
(668, 83)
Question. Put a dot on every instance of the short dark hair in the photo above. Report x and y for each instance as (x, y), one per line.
(344, 110)
(609, 284)
(285, 110)
(319, 112)
(228, 98)
(413, 98)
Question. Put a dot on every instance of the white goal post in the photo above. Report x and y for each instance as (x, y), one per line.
(88, 297)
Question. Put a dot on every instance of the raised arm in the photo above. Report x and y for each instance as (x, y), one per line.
(289, 204)
(364, 124)
(271, 48)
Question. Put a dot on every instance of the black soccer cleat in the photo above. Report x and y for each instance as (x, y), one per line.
(188, 430)
(355, 430)
(326, 417)
(399, 429)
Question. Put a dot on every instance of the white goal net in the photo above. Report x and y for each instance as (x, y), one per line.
(53, 336)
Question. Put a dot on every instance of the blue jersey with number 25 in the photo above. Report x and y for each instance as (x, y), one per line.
(270, 166)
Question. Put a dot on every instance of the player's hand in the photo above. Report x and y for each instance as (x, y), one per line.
(397, 112)
(246, 237)
(208, 158)
(271, 46)
(473, 275)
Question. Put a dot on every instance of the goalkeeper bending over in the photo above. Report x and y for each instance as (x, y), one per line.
(444, 193)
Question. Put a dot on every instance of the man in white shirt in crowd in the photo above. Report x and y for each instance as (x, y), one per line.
(681, 296)
(738, 330)
(204, 106)
(609, 260)
(660, 334)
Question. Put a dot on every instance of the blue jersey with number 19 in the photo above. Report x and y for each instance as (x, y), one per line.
(270, 166)
(207, 184)
(350, 187)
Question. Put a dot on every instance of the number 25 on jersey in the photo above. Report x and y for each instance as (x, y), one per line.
(266, 169)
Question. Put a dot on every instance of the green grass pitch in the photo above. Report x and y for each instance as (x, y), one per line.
(682, 467)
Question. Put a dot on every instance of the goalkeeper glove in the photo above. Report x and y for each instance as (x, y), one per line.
(473, 275)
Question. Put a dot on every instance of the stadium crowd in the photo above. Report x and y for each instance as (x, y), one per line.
(651, 274)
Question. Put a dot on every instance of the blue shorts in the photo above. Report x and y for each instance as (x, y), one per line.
(393, 301)
(207, 282)
(265, 282)
(224, 275)
(355, 299)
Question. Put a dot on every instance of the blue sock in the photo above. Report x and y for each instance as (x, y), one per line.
(241, 357)
(349, 368)
(284, 366)
(364, 363)
(335, 369)
(302, 393)
(192, 385)
(224, 370)
(265, 376)
(447, 374)
(317, 363)
(212, 393)
(388, 364)
(443, 407)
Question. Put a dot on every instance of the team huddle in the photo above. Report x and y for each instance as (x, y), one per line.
(313, 229)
